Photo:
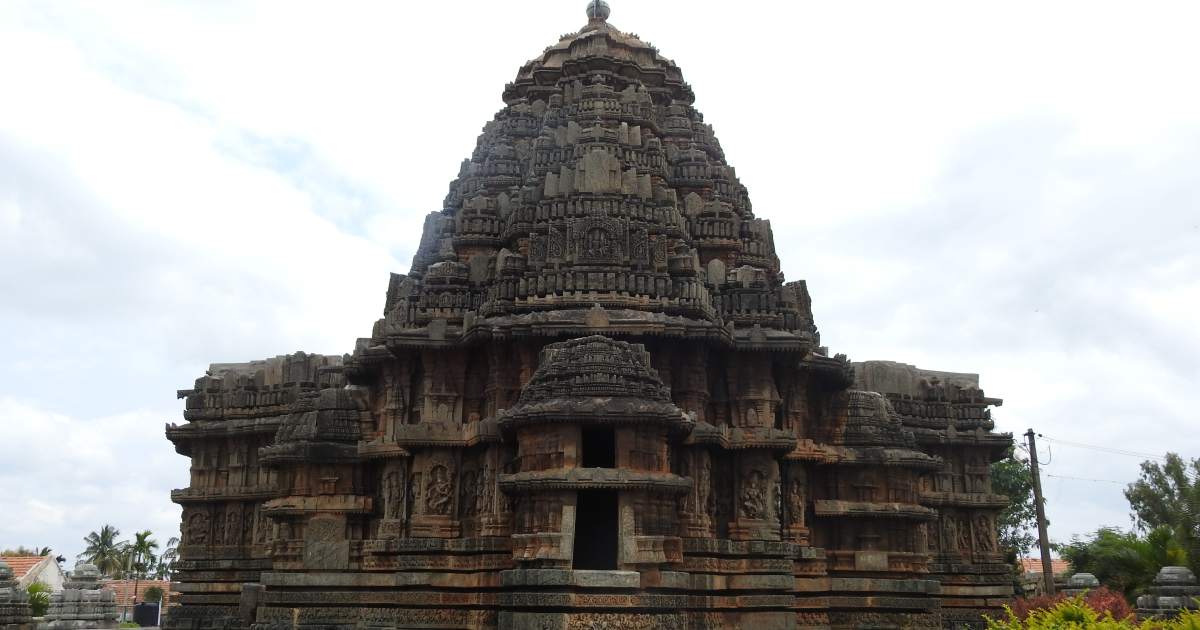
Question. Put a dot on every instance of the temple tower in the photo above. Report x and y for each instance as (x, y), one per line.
(592, 402)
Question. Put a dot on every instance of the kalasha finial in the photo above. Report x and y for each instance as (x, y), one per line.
(598, 9)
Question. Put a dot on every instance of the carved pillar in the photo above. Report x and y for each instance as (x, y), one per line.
(690, 386)
(699, 504)
(752, 387)
(443, 385)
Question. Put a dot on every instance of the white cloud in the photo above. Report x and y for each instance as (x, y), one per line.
(64, 477)
(1069, 281)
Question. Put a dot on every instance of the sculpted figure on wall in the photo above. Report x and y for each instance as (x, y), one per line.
(485, 490)
(949, 532)
(393, 494)
(983, 533)
(198, 528)
(777, 499)
(753, 505)
(467, 494)
(795, 502)
(439, 492)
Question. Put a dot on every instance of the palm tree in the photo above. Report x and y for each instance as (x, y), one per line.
(39, 598)
(104, 550)
(166, 561)
(1189, 524)
(139, 558)
(1124, 561)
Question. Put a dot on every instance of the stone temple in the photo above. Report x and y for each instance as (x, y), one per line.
(592, 403)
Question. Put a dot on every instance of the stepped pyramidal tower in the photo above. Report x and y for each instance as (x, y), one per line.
(592, 403)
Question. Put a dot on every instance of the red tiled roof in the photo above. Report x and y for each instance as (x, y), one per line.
(22, 564)
(1034, 565)
(118, 586)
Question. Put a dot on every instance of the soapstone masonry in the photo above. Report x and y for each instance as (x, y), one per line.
(593, 403)
(1175, 589)
(14, 602)
(82, 603)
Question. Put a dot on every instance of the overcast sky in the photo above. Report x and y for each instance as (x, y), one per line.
(1006, 188)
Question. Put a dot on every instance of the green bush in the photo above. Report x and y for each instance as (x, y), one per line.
(1076, 614)
(39, 599)
(129, 624)
(152, 594)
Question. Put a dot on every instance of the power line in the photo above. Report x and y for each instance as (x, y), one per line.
(1082, 479)
(1115, 451)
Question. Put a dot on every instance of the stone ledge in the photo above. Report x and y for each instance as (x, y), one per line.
(890, 510)
(569, 577)
(613, 478)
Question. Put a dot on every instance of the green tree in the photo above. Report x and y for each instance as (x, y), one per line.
(166, 561)
(1017, 523)
(153, 594)
(1124, 561)
(104, 550)
(39, 598)
(26, 551)
(1157, 497)
(1188, 528)
(139, 559)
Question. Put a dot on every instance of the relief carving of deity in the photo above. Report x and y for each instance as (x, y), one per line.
(930, 531)
(949, 532)
(233, 529)
(248, 528)
(260, 532)
(754, 496)
(597, 245)
(777, 499)
(198, 528)
(483, 491)
(704, 489)
(964, 534)
(467, 494)
(414, 492)
(393, 495)
(983, 533)
(440, 493)
(796, 503)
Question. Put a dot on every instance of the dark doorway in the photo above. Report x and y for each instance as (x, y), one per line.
(596, 530)
(599, 447)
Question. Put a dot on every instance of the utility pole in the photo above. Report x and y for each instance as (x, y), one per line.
(1043, 539)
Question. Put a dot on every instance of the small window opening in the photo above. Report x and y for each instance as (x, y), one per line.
(599, 447)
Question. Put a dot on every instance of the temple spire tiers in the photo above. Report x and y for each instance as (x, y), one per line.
(82, 604)
(14, 602)
(593, 401)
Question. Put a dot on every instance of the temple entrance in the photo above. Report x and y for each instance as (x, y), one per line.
(596, 530)
(599, 447)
